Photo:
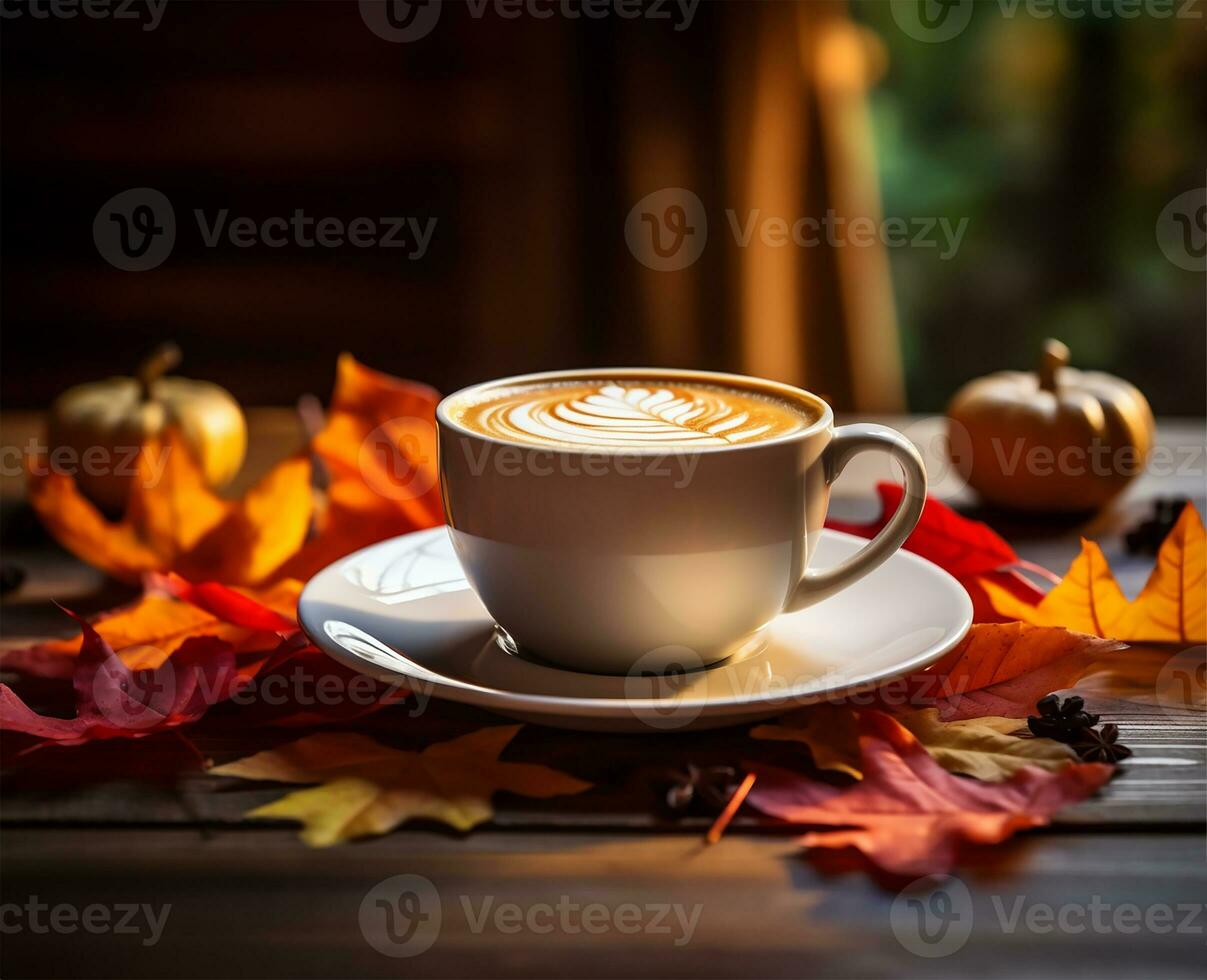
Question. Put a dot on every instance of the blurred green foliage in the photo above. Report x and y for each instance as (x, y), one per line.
(1061, 139)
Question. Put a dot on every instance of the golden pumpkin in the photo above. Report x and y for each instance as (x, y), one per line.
(94, 430)
(1057, 440)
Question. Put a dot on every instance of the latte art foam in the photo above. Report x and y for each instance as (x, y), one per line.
(632, 414)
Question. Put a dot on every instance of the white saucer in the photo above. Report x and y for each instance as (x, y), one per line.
(402, 611)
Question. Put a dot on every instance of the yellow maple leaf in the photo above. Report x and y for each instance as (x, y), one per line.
(369, 788)
(984, 747)
(979, 747)
(1172, 608)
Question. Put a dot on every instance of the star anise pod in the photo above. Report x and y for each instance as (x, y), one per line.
(1101, 745)
(711, 786)
(1061, 722)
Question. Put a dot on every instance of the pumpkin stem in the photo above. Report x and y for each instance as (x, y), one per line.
(1054, 357)
(155, 366)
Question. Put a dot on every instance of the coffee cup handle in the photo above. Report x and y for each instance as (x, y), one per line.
(848, 441)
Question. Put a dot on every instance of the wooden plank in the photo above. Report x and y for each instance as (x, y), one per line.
(256, 903)
(157, 782)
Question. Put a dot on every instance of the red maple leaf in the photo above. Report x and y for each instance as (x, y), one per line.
(908, 815)
(114, 700)
(966, 549)
(299, 685)
(961, 546)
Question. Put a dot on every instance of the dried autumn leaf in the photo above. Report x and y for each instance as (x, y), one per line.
(984, 747)
(379, 450)
(995, 652)
(980, 747)
(1172, 607)
(830, 730)
(368, 788)
(1000, 669)
(908, 815)
(157, 624)
(174, 522)
(115, 700)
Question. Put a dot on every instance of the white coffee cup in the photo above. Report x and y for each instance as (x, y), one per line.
(614, 560)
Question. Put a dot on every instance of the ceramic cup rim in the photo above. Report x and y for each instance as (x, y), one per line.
(825, 420)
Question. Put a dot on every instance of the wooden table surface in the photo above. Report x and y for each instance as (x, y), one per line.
(250, 900)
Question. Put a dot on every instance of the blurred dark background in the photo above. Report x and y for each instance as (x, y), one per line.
(529, 139)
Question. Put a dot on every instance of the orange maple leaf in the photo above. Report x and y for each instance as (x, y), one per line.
(379, 449)
(153, 628)
(1172, 608)
(175, 522)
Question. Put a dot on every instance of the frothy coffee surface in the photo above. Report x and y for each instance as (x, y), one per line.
(632, 413)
